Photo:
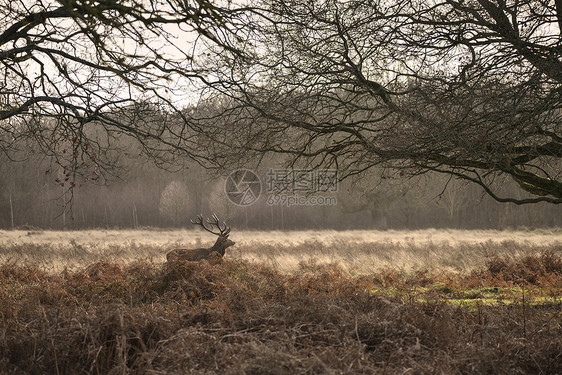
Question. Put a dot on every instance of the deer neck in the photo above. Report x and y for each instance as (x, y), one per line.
(219, 247)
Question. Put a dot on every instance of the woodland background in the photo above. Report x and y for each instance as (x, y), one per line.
(140, 194)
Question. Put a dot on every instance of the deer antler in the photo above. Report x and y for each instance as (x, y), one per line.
(223, 231)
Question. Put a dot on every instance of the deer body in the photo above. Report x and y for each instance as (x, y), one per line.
(217, 250)
(193, 255)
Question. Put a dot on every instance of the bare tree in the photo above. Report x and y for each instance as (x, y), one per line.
(77, 75)
(453, 197)
(174, 202)
(219, 202)
(469, 88)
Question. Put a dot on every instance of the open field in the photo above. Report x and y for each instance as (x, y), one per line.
(356, 302)
(360, 251)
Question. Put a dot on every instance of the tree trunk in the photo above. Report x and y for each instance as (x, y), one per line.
(11, 210)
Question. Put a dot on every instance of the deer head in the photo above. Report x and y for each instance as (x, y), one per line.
(223, 242)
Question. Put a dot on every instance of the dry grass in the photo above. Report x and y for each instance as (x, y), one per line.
(355, 302)
(355, 251)
(237, 317)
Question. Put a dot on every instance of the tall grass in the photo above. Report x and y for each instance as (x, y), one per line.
(237, 317)
(355, 251)
(356, 302)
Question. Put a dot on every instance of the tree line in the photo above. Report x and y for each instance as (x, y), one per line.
(144, 195)
(394, 89)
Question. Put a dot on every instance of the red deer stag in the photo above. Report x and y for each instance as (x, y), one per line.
(217, 250)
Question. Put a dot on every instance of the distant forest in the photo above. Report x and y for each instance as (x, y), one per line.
(136, 193)
(130, 116)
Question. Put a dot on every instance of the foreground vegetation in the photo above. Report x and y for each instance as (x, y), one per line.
(239, 317)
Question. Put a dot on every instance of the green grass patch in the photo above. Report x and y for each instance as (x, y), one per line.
(474, 297)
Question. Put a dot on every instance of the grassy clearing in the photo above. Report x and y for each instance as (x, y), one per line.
(356, 251)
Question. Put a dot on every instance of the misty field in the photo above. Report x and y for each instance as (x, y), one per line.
(352, 302)
(360, 251)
